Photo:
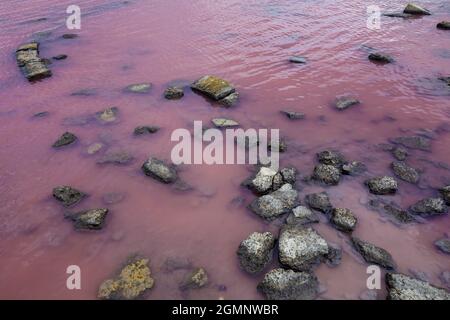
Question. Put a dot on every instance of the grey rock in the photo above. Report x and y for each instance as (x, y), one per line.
(213, 87)
(67, 195)
(382, 185)
(402, 287)
(429, 207)
(373, 254)
(398, 214)
(69, 36)
(405, 172)
(290, 175)
(443, 25)
(400, 153)
(346, 102)
(319, 201)
(297, 59)
(32, 66)
(157, 169)
(354, 168)
(413, 142)
(300, 248)
(108, 115)
(256, 252)
(84, 92)
(224, 123)
(280, 284)
(327, 174)
(412, 8)
(445, 278)
(445, 192)
(398, 15)
(230, 100)
(302, 215)
(139, 88)
(277, 203)
(380, 57)
(334, 256)
(118, 157)
(173, 93)
(293, 115)
(331, 157)
(145, 130)
(89, 219)
(443, 245)
(343, 219)
(65, 139)
(263, 180)
(60, 57)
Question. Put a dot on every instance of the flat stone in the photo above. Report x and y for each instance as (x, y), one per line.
(429, 207)
(256, 252)
(173, 93)
(213, 87)
(65, 139)
(327, 174)
(302, 215)
(443, 25)
(380, 57)
(412, 8)
(194, 279)
(297, 59)
(413, 142)
(343, 219)
(443, 245)
(145, 130)
(139, 88)
(382, 185)
(67, 195)
(405, 172)
(319, 201)
(224, 123)
(158, 170)
(293, 115)
(373, 254)
(84, 92)
(89, 219)
(94, 148)
(275, 204)
(32, 66)
(108, 115)
(280, 284)
(402, 287)
(346, 102)
(230, 100)
(300, 248)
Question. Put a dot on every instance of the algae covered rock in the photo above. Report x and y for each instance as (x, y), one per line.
(173, 93)
(327, 174)
(429, 207)
(405, 172)
(213, 87)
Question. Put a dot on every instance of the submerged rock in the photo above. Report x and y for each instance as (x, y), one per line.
(172, 264)
(398, 214)
(445, 278)
(256, 252)
(224, 123)
(398, 15)
(213, 87)
(354, 168)
(132, 282)
(173, 93)
(429, 207)
(413, 142)
(94, 148)
(67, 195)
(157, 169)
(402, 287)
(300, 248)
(65, 139)
(139, 88)
(60, 57)
(334, 256)
(119, 157)
(68, 36)
(405, 172)
(327, 174)
(293, 115)
(108, 115)
(195, 279)
(380, 57)
(289, 175)
(412, 8)
(32, 66)
(230, 100)
(302, 215)
(443, 245)
(373, 254)
(443, 25)
(346, 102)
(400, 153)
(90, 219)
(145, 130)
(331, 157)
(319, 201)
(343, 219)
(297, 59)
(382, 185)
(280, 284)
(445, 192)
(277, 203)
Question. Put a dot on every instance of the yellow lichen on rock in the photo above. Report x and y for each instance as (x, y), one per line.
(214, 87)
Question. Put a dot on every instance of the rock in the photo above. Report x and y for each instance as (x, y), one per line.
(132, 282)
(29, 62)
(84, 92)
(413, 142)
(262, 182)
(119, 157)
(443, 25)
(69, 36)
(277, 203)
(334, 256)
(429, 207)
(68, 196)
(65, 139)
(158, 170)
(327, 174)
(346, 102)
(400, 153)
(145, 129)
(176, 263)
(445, 192)
(173, 93)
(402, 287)
(354, 168)
(397, 214)
(445, 278)
(94, 148)
(60, 57)
(213, 87)
(300, 248)
(256, 252)
(369, 295)
(412, 8)
(139, 88)
(343, 219)
(41, 114)
(380, 57)
(224, 123)
(289, 175)
(230, 100)
(319, 201)
(398, 15)
(445, 79)
(280, 284)
(297, 59)
(443, 245)
(89, 219)
(382, 185)
(108, 115)
(405, 172)
(195, 279)
(332, 158)
(373, 254)
(113, 197)
(302, 215)
(293, 115)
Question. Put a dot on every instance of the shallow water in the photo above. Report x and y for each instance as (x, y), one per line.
(247, 43)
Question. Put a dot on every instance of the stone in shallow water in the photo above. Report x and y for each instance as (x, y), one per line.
(445, 192)
(31, 65)
(119, 157)
(412, 8)
(230, 100)
(275, 204)
(173, 93)
(145, 130)
(302, 215)
(108, 115)
(262, 183)
(213, 87)
(354, 168)
(60, 57)
(224, 123)
(429, 207)
(139, 88)
(402, 287)
(405, 172)
(65, 139)
(293, 115)
(255, 252)
(327, 174)
(398, 15)
(373, 254)
(194, 279)
(413, 142)
(157, 169)
(398, 214)
(113, 197)
(67, 195)
(443, 25)
(94, 148)
(319, 201)
(280, 284)
(346, 102)
(343, 219)
(400, 153)
(90, 219)
(380, 57)
(443, 245)
(382, 185)
(297, 59)
(132, 282)
(69, 36)
(331, 157)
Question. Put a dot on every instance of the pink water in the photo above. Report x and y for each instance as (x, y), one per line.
(247, 43)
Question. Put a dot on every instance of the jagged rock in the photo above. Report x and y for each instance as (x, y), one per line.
(300, 248)
(443, 245)
(382, 185)
(327, 174)
(445, 79)
(224, 123)
(256, 252)
(65, 139)
(334, 256)
(402, 287)
(263, 181)
(145, 129)
(157, 169)
(293, 115)
(173, 93)
(373, 254)
(67, 195)
(90, 219)
(354, 168)
(346, 102)
(400, 153)
(413, 142)
(31, 65)
(289, 175)
(119, 157)
(194, 279)
(60, 57)
(443, 25)
(429, 207)
(139, 88)
(445, 192)
(380, 57)
(302, 215)
(280, 284)
(132, 282)
(274, 204)
(330, 157)
(319, 201)
(297, 59)
(108, 115)
(230, 100)
(412, 8)
(405, 172)
(343, 219)
(213, 87)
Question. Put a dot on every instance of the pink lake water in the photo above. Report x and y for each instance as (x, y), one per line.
(247, 43)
